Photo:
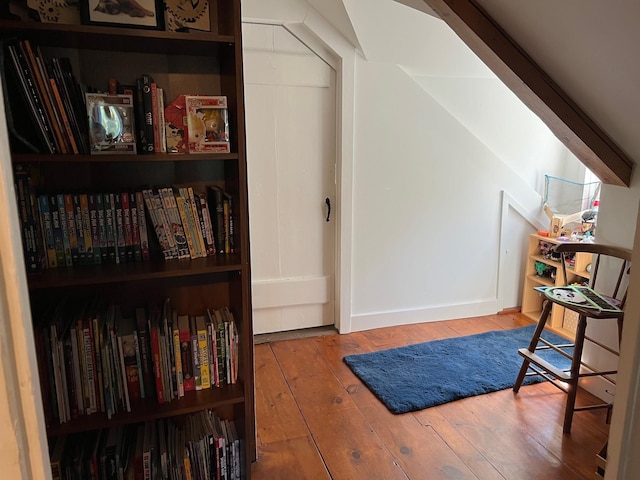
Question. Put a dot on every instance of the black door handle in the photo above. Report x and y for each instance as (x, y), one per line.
(328, 202)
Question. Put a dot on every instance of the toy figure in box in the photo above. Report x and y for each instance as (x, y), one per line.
(208, 124)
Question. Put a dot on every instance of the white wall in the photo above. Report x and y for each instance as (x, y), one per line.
(432, 158)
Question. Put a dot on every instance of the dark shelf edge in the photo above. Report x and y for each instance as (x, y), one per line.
(125, 158)
(131, 272)
(149, 409)
(69, 30)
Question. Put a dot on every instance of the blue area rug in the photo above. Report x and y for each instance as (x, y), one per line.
(424, 375)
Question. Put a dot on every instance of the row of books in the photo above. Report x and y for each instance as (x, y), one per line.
(51, 97)
(94, 358)
(199, 446)
(71, 229)
(185, 224)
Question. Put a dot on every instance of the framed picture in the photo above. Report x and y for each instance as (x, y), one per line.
(147, 14)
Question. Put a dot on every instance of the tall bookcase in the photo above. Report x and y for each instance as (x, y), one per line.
(205, 63)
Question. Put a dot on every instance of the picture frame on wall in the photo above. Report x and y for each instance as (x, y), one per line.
(147, 14)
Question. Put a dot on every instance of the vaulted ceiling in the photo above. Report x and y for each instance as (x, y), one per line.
(572, 62)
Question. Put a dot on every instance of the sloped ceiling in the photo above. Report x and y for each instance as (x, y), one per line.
(335, 12)
(585, 47)
(589, 48)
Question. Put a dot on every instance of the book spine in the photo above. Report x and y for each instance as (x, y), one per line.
(124, 372)
(147, 103)
(77, 212)
(203, 354)
(97, 358)
(179, 199)
(198, 235)
(172, 248)
(57, 230)
(161, 122)
(178, 359)
(146, 357)
(185, 357)
(95, 231)
(141, 128)
(157, 369)
(64, 227)
(213, 360)
(31, 94)
(41, 92)
(195, 355)
(156, 118)
(103, 240)
(121, 254)
(28, 220)
(86, 228)
(74, 107)
(157, 224)
(110, 227)
(47, 231)
(88, 348)
(175, 223)
(208, 227)
(68, 131)
(142, 226)
(71, 226)
(135, 227)
(127, 227)
(216, 203)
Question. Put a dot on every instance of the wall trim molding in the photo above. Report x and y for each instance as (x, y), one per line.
(368, 321)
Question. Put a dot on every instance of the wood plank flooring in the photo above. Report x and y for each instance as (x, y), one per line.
(315, 419)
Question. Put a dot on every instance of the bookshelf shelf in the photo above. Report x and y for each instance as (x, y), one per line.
(134, 272)
(114, 39)
(37, 158)
(146, 410)
(189, 63)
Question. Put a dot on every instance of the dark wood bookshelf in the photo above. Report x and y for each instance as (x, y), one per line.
(149, 409)
(200, 63)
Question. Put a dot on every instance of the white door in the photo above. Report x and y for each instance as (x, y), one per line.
(291, 153)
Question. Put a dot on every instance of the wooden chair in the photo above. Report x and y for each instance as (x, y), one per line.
(608, 259)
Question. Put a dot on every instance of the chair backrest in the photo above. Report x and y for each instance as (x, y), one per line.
(612, 281)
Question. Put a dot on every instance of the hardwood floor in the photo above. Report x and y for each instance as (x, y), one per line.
(316, 420)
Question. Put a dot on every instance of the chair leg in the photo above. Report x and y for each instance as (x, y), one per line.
(533, 344)
(575, 373)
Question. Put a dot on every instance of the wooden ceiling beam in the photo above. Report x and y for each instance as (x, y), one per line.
(536, 89)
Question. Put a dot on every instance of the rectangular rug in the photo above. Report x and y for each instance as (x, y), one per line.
(424, 375)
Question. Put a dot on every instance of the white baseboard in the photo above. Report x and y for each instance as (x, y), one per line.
(430, 314)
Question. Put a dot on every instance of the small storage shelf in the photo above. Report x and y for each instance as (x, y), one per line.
(532, 301)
